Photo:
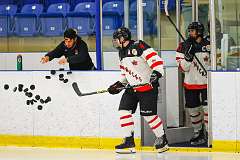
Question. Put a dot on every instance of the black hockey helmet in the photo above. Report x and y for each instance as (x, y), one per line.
(70, 33)
(122, 32)
(199, 27)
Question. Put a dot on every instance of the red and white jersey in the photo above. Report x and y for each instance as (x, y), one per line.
(195, 76)
(137, 63)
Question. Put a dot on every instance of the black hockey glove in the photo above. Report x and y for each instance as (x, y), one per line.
(115, 88)
(189, 50)
(155, 77)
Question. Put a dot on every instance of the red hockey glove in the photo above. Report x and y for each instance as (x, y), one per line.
(115, 88)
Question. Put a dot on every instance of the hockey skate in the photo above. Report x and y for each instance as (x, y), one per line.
(127, 147)
(161, 144)
(198, 138)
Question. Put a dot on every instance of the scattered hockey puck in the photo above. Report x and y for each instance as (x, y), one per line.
(14, 89)
(48, 77)
(53, 72)
(61, 75)
(6, 86)
(25, 90)
(39, 107)
(37, 97)
(65, 80)
(28, 94)
(42, 101)
(32, 87)
(31, 102)
(48, 99)
(61, 79)
(20, 87)
(69, 72)
(61, 69)
(28, 102)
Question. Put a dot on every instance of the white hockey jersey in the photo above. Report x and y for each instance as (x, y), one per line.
(137, 63)
(195, 76)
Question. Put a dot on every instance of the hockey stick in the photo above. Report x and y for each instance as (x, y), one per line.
(174, 25)
(80, 94)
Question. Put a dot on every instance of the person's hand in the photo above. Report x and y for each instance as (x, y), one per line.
(155, 77)
(44, 59)
(62, 61)
(115, 88)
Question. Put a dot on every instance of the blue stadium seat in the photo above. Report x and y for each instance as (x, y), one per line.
(27, 22)
(6, 2)
(53, 22)
(82, 18)
(149, 17)
(47, 3)
(6, 19)
(112, 16)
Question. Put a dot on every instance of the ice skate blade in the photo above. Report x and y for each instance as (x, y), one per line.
(164, 149)
(126, 151)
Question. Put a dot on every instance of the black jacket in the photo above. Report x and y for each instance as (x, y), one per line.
(77, 56)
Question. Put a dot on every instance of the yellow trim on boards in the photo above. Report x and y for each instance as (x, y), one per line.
(102, 143)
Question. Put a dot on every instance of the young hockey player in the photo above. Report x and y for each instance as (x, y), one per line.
(140, 66)
(195, 80)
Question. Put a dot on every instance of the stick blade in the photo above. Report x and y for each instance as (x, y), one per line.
(76, 89)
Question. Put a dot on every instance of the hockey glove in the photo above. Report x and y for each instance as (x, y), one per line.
(155, 77)
(115, 88)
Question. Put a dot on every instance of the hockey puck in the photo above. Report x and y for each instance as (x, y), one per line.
(61, 75)
(28, 102)
(53, 72)
(48, 99)
(31, 102)
(20, 87)
(61, 79)
(42, 101)
(25, 90)
(61, 69)
(6, 86)
(39, 107)
(48, 77)
(14, 89)
(69, 72)
(37, 97)
(65, 80)
(32, 87)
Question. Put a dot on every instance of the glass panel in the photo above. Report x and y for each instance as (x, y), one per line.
(227, 34)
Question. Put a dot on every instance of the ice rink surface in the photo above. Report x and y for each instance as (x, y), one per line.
(13, 153)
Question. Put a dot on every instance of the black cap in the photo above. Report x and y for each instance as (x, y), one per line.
(70, 33)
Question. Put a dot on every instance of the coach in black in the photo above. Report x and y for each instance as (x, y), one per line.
(74, 50)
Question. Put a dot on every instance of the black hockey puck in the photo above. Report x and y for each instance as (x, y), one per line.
(48, 77)
(31, 102)
(65, 80)
(37, 97)
(42, 101)
(61, 75)
(48, 99)
(39, 107)
(30, 94)
(14, 89)
(61, 69)
(61, 79)
(32, 87)
(20, 87)
(69, 72)
(25, 90)
(6, 86)
(28, 102)
(53, 72)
